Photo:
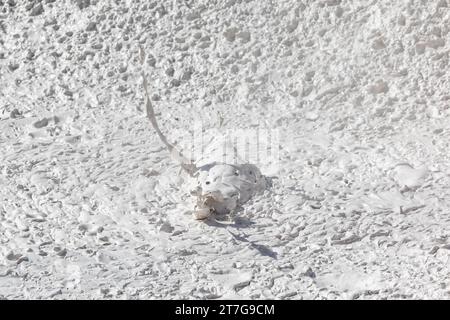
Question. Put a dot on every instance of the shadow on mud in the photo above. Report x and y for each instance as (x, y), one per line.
(244, 223)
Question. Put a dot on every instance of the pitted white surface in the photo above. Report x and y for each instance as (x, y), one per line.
(91, 206)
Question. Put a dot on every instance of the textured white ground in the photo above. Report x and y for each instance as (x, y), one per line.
(91, 206)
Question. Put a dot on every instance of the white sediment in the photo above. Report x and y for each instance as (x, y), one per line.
(354, 96)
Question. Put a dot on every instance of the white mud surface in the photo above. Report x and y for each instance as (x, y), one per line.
(92, 206)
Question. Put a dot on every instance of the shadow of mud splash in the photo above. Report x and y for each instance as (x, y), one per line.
(244, 223)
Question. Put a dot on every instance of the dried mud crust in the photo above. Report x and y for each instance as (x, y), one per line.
(91, 206)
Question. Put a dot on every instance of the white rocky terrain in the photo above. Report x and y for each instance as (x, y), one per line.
(357, 94)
